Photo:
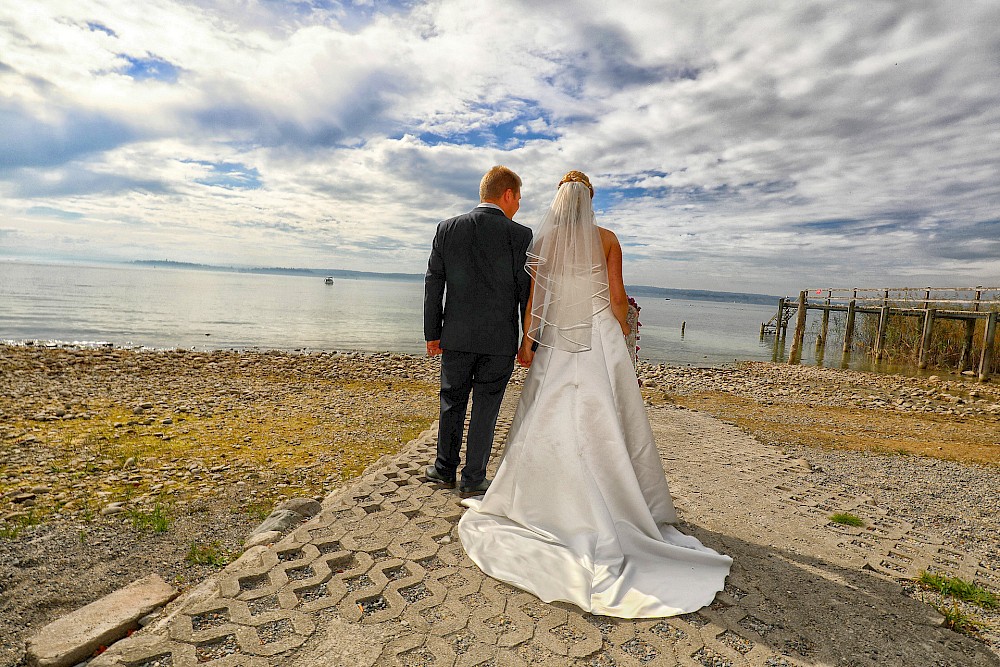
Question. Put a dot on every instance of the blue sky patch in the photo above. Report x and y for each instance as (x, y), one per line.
(830, 225)
(150, 67)
(529, 123)
(608, 197)
(351, 15)
(94, 26)
(50, 212)
(230, 175)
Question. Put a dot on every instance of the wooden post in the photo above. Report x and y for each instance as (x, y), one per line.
(824, 327)
(987, 358)
(925, 340)
(775, 356)
(883, 324)
(795, 356)
(849, 331)
(965, 360)
(784, 322)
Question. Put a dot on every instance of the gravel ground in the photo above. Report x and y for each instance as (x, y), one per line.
(845, 421)
(925, 449)
(115, 464)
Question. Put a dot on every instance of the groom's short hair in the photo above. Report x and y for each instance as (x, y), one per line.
(497, 181)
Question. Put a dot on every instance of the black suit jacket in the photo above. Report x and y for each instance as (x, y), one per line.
(476, 287)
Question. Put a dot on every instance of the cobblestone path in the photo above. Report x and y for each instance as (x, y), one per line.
(379, 579)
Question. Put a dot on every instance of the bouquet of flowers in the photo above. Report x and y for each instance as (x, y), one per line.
(633, 324)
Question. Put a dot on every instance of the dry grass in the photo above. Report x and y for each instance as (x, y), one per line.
(957, 438)
(276, 433)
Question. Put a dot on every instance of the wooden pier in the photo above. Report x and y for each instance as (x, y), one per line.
(931, 304)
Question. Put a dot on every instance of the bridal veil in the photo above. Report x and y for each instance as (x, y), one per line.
(566, 259)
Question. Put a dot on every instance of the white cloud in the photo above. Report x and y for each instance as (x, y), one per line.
(736, 145)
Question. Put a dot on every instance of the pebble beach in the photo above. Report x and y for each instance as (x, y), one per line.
(117, 463)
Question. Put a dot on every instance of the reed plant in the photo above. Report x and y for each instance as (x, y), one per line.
(904, 332)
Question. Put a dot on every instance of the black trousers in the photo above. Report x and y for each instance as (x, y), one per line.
(485, 376)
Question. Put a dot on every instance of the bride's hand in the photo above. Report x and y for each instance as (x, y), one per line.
(525, 354)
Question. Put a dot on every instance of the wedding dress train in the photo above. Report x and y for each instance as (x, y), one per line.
(580, 510)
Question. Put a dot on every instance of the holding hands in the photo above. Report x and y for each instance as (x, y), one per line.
(525, 354)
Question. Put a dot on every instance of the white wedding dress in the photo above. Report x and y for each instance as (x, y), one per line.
(580, 510)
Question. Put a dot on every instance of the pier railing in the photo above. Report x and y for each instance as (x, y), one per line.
(967, 304)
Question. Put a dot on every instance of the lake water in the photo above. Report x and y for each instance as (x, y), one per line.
(169, 308)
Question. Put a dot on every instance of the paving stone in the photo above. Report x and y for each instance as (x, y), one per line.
(77, 635)
(262, 538)
(378, 577)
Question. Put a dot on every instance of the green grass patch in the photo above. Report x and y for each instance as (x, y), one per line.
(156, 520)
(11, 528)
(847, 519)
(960, 621)
(258, 510)
(959, 589)
(208, 554)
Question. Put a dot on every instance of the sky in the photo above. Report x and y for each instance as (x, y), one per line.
(734, 145)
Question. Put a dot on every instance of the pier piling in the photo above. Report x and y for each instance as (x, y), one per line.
(849, 330)
(930, 304)
(987, 357)
(795, 356)
(925, 338)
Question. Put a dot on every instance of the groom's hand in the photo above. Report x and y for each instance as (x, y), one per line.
(433, 348)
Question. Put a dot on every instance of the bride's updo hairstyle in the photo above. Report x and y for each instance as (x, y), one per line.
(575, 176)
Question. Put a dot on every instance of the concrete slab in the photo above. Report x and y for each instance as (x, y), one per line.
(77, 635)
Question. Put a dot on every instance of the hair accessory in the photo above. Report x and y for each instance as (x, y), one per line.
(577, 177)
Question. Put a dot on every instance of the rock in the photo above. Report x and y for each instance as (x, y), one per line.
(266, 538)
(307, 507)
(279, 520)
(149, 619)
(138, 410)
(40, 489)
(112, 508)
(23, 498)
(77, 635)
(129, 463)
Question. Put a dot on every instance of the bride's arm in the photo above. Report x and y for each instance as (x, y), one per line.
(616, 284)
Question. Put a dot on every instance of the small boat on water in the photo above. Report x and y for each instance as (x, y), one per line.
(329, 280)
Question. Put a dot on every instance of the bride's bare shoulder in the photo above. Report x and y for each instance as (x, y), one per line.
(608, 238)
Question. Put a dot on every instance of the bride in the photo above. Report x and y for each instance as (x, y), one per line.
(580, 510)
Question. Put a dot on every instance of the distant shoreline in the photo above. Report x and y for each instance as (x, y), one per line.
(347, 274)
(633, 290)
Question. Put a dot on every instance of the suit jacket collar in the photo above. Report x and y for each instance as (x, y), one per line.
(486, 208)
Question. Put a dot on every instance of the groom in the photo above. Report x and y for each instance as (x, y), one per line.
(477, 267)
